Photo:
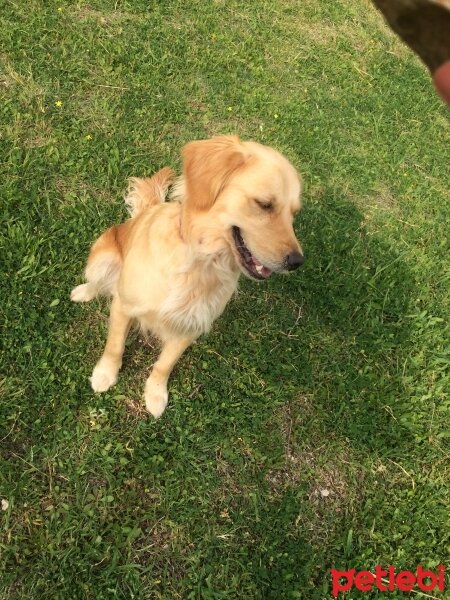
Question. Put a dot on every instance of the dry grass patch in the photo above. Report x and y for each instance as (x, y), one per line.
(27, 88)
(74, 191)
(323, 466)
(381, 200)
(42, 136)
(97, 106)
(111, 17)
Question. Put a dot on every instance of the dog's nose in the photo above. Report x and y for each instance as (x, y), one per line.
(294, 260)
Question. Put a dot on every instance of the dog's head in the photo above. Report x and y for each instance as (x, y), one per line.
(241, 197)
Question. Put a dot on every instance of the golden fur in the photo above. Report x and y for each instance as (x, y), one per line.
(173, 266)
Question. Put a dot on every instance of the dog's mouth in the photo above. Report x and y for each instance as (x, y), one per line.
(251, 264)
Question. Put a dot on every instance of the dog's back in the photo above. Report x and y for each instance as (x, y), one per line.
(106, 255)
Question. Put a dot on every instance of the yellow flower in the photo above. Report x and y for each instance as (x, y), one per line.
(58, 104)
(229, 108)
(59, 8)
(88, 137)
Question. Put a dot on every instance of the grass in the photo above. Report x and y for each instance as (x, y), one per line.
(310, 429)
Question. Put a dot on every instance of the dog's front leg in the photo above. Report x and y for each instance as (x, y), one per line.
(156, 385)
(107, 368)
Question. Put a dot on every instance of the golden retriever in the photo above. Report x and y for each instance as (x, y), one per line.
(174, 265)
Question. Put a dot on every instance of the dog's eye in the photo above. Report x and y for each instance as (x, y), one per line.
(266, 205)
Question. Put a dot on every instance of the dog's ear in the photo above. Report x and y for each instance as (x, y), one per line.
(207, 166)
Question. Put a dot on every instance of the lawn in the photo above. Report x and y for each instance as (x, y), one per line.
(310, 428)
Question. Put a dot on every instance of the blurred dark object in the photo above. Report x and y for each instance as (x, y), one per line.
(423, 24)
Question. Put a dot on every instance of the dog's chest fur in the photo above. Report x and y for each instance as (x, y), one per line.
(199, 296)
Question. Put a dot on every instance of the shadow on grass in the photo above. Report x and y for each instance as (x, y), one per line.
(330, 343)
(341, 332)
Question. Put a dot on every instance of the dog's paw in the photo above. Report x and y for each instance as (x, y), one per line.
(102, 379)
(82, 293)
(156, 398)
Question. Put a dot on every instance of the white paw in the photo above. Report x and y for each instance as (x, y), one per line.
(102, 379)
(156, 398)
(82, 293)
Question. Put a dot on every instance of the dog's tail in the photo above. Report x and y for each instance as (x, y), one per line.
(148, 191)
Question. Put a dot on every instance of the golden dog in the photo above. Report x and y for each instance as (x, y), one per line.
(174, 266)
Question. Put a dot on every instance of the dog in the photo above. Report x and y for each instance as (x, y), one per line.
(173, 266)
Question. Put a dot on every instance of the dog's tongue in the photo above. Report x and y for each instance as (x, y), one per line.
(260, 268)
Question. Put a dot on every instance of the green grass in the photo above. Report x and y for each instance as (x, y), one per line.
(335, 378)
